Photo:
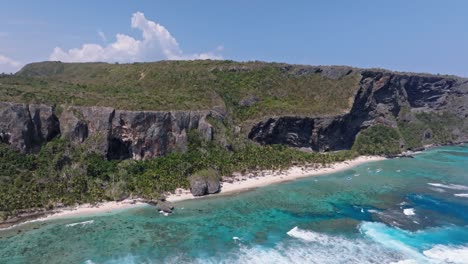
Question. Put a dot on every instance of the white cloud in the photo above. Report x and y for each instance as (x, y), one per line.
(156, 43)
(8, 65)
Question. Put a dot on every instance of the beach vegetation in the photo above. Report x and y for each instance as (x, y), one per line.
(378, 140)
(66, 174)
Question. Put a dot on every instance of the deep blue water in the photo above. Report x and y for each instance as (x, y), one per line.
(400, 210)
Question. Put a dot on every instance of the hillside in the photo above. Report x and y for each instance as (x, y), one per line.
(87, 132)
(251, 90)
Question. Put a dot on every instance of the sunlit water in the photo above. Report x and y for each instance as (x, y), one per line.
(401, 210)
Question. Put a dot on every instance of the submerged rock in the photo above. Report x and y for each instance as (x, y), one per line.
(165, 206)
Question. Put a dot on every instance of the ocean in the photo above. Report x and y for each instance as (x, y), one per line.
(406, 210)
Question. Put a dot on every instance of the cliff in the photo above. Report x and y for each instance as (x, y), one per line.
(116, 134)
(323, 108)
(425, 108)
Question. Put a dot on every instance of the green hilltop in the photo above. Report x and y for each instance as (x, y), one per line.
(248, 91)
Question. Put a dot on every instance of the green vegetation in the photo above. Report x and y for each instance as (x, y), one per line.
(62, 173)
(378, 140)
(183, 85)
(65, 174)
(428, 128)
(206, 174)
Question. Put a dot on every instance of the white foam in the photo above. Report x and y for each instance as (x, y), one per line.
(311, 247)
(461, 195)
(406, 261)
(164, 213)
(449, 186)
(376, 232)
(437, 254)
(398, 170)
(437, 190)
(307, 235)
(317, 248)
(81, 223)
(409, 211)
(448, 254)
(236, 238)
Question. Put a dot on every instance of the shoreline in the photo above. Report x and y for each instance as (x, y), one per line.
(238, 183)
(82, 210)
(241, 183)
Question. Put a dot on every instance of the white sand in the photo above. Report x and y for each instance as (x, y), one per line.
(240, 183)
(89, 209)
(263, 178)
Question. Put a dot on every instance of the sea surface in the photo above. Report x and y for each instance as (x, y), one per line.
(407, 210)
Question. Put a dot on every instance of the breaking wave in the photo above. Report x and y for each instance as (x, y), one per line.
(377, 243)
(449, 186)
(80, 223)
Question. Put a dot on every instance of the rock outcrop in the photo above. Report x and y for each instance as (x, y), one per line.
(205, 182)
(26, 127)
(383, 97)
(116, 134)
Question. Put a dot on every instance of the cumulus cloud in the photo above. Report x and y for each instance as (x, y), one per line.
(156, 43)
(8, 65)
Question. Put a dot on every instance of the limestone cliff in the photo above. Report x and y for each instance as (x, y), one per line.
(394, 99)
(423, 108)
(117, 134)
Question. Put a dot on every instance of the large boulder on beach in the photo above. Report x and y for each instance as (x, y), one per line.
(205, 182)
(213, 186)
(198, 186)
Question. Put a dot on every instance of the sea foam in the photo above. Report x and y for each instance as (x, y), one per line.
(449, 186)
(409, 211)
(80, 223)
(409, 245)
(445, 254)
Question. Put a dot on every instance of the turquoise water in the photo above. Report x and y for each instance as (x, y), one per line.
(400, 210)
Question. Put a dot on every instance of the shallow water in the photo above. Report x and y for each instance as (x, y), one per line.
(408, 210)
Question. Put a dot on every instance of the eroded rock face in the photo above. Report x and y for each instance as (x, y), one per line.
(113, 133)
(381, 98)
(27, 127)
(149, 134)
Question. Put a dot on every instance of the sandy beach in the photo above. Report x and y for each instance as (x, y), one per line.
(242, 183)
(236, 184)
(87, 209)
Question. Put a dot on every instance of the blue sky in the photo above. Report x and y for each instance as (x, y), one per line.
(405, 35)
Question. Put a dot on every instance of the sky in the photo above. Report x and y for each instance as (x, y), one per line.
(403, 35)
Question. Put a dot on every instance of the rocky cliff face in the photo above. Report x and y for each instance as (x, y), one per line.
(383, 97)
(421, 104)
(114, 133)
